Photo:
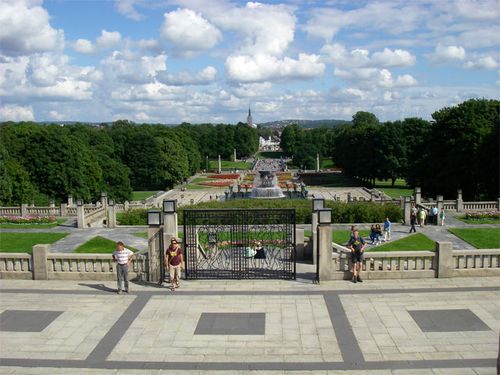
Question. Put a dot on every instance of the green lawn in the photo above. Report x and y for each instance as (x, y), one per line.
(327, 163)
(225, 164)
(24, 242)
(202, 187)
(99, 245)
(400, 188)
(341, 237)
(417, 241)
(269, 155)
(141, 195)
(31, 226)
(480, 238)
(141, 234)
(476, 221)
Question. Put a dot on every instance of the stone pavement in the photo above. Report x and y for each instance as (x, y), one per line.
(429, 326)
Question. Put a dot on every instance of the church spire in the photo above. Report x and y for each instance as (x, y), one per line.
(249, 118)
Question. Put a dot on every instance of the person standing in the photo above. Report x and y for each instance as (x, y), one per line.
(122, 256)
(421, 216)
(435, 215)
(357, 246)
(173, 263)
(413, 221)
(387, 229)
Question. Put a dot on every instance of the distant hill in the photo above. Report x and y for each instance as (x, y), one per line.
(305, 123)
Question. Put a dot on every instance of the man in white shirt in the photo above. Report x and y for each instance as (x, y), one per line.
(122, 256)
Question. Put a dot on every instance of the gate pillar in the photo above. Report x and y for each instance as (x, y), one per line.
(325, 251)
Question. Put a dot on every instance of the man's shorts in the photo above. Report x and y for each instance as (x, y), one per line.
(175, 273)
(357, 256)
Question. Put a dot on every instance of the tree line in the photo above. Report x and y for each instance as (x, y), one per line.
(458, 149)
(83, 160)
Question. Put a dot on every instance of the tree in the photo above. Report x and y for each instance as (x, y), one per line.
(364, 118)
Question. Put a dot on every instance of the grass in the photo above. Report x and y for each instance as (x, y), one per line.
(202, 187)
(141, 195)
(341, 237)
(225, 164)
(99, 245)
(24, 242)
(414, 242)
(327, 163)
(474, 221)
(270, 155)
(480, 238)
(31, 226)
(400, 188)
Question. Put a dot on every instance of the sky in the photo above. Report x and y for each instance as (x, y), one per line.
(208, 61)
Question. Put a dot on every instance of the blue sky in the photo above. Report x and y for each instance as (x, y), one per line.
(204, 61)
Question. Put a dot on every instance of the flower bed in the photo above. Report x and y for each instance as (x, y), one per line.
(220, 183)
(28, 219)
(482, 215)
(227, 176)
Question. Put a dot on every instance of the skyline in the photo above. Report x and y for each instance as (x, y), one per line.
(196, 61)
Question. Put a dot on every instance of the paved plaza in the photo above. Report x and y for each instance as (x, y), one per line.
(430, 326)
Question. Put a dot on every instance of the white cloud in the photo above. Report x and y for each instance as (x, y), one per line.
(484, 62)
(203, 77)
(189, 32)
(477, 10)
(396, 58)
(25, 29)
(133, 69)
(83, 46)
(263, 67)
(246, 90)
(405, 80)
(108, 39)
(126, 8)
(443, 54)
(54, 115)
(16, 113)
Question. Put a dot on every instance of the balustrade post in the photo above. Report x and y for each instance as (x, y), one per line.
(40, 264)
(111, 215)
(70, 200)
(407, 210)
(460, 202)
(299, 243)
(444, 259)
(325, 251)
(418, 195)
(64, 209)
(24, 209)
(80, 214)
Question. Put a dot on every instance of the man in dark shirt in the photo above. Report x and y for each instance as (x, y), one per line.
(357, 246)
(173, 263)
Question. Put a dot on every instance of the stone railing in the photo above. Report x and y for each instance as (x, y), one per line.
(55, 266)
(16, 266)
(480, 206)
(444, 262)
(10, 211)
(44, 211)
(94, 215)
(482, 261)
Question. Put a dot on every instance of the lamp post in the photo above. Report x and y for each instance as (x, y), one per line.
(325, 248)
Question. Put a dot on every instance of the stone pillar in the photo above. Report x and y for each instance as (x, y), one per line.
(440, 207)
(299, 244)
(40, 270)
(418, 195)
(325, 251)
(80, 214)
(111, 216)
(104, 199)
(219, 165)
(126, 205)
(70, 200)
(314, 237)
(52, 207)
(444, 259)
(64, 209)
(349, 197)
(24, 209)
(154, 270)
(460, 202)
(234, 154)
(317, 163)
(169, 228)
(372, 196)
(407, 210)
(498, 204)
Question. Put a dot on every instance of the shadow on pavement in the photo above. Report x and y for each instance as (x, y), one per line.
(101, 287)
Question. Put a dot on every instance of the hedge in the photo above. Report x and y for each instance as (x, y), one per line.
(354, 212)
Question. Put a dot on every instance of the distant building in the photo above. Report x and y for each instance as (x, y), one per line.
(270, 144)
(249, 119)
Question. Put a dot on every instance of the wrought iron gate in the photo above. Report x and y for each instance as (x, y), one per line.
(239, 244)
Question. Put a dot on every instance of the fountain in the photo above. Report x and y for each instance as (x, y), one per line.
(266, 186)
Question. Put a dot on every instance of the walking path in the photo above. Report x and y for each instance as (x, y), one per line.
(428, 326)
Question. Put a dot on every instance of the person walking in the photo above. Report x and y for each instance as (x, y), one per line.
(357, 246)
(413, 221)
(442, 217)
(122, 256)
(387, 229)
(173, 263)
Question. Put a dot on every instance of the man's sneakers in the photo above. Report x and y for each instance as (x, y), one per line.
(356, 279)
(119, 291)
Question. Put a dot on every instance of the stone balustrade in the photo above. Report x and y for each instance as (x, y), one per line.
(444, 262)
(55, 266)
(94, 216)
(480, 206)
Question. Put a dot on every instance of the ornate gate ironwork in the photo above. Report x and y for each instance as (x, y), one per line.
(239, 244)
